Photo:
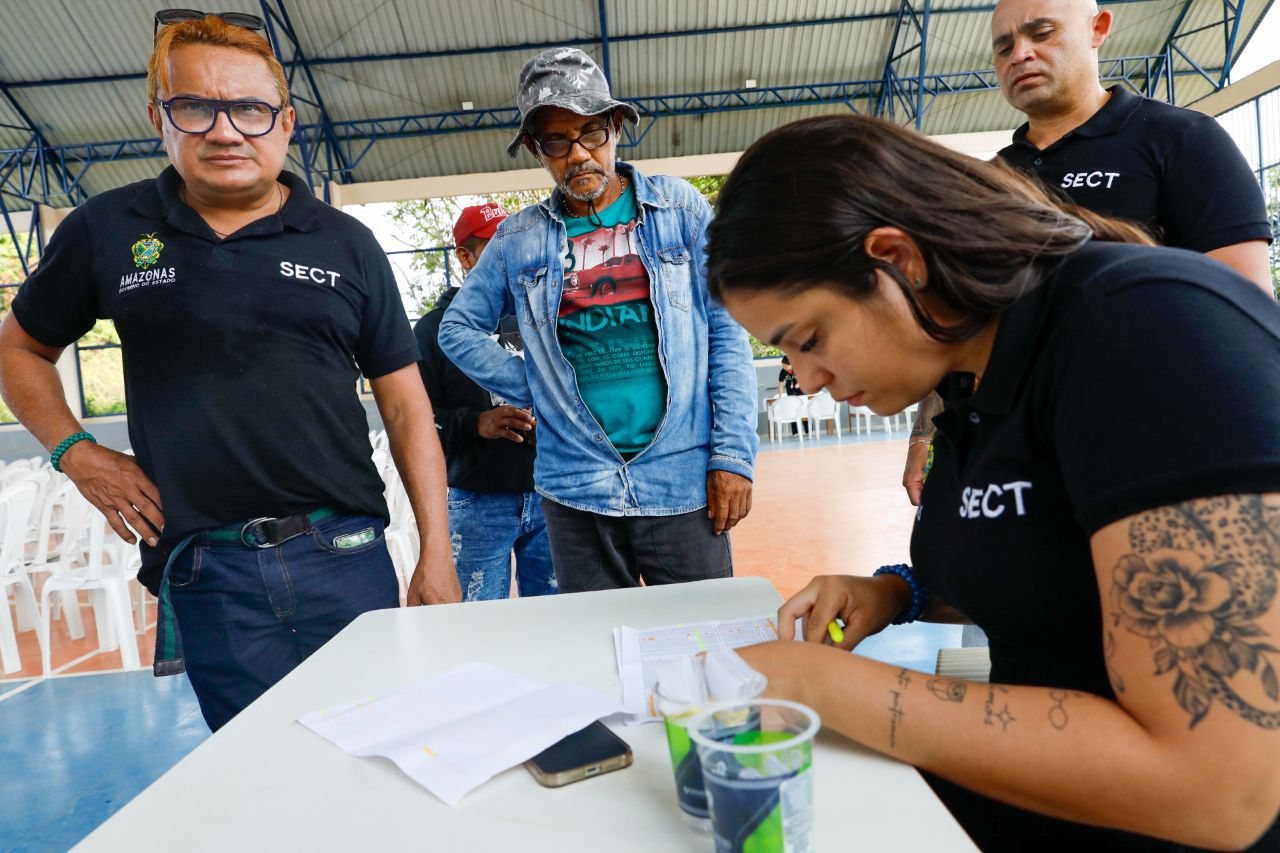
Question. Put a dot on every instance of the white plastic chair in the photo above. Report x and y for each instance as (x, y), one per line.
(858, 413)
(62, 517)
(401, 533)
(109, 585)
(911, 413)
(129, 558)
(15, 509)
(790, 410)
(42, 480)
(822, 407)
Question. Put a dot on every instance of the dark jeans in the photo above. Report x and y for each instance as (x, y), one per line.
(484, 529)
(248, 616)
(606, 552)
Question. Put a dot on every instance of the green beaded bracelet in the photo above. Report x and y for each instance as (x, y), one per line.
(55, 458)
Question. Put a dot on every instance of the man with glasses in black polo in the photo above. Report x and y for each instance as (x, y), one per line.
(246, 311)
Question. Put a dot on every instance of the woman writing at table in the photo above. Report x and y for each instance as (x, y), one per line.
(1102, 500)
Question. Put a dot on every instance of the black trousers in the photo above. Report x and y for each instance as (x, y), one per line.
(593, 552)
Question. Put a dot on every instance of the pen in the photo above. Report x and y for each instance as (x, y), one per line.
(836, 631)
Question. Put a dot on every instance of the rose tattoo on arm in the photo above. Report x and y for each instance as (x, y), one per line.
(1200, 575)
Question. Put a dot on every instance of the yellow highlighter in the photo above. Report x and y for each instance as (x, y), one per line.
(835, 631)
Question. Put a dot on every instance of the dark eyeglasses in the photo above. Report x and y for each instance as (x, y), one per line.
(177, 16)
(559, 146)
(198, 115)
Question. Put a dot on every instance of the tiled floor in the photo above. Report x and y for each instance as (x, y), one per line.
(76, 746)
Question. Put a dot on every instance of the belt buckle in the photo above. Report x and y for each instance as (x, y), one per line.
(245, 531)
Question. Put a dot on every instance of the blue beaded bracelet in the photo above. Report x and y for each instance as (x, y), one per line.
(919, 595)
(55, 458)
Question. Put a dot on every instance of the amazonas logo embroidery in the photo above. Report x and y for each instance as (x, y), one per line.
(146, 252)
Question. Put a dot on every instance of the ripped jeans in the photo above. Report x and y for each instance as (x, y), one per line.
(485, 529)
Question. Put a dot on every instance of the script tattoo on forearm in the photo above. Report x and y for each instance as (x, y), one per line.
(904, 678)
(1200, 575)
(947, 689)
(1001, 717)
(895, 715)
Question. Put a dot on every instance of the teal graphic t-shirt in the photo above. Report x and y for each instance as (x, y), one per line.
(607, 329)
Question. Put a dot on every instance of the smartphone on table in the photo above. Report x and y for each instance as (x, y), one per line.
(592, 751)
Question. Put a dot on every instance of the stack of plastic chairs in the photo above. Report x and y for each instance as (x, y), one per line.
(61, 530)
(16, 502)
(107, 581)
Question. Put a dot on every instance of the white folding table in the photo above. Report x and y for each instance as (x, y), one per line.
(266, 783)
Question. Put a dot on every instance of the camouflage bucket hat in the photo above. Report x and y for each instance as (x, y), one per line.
(563, 77)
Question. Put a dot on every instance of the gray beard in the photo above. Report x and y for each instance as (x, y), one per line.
(587, 198)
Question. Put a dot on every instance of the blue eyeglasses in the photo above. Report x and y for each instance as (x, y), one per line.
(198, 115)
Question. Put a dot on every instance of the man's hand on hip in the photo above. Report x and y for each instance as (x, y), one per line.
(728, 499)
(506, 422)
(114, 483)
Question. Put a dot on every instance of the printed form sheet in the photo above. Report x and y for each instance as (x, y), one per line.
(641, 651)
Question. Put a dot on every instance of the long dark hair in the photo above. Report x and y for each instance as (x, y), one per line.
(796, 210)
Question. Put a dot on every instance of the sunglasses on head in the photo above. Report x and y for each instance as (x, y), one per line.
(244, 20)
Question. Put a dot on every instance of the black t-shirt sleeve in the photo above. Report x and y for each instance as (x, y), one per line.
(1209, 197)
(386, 341)
(58, 303)
(456, 424)
(1167, 394)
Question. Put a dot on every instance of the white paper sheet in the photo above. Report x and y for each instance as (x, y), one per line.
(453, 732)
(640, 652)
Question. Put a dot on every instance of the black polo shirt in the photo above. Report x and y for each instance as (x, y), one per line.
(241, 356)
(1174, 171)
(1133, 378)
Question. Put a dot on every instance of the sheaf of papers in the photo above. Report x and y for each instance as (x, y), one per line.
(639, 653)
(453, 732)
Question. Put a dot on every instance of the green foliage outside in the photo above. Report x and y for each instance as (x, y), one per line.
(10, 274)
(102, 372)
(10, 265)
(429, 223)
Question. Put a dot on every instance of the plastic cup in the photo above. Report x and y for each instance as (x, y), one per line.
(690, 793)
(757, 759)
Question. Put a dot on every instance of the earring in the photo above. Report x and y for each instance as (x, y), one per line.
(918, 284)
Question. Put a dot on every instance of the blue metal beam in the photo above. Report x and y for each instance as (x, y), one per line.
(325, 139)
(1236, 12)
(534, 47)
(858, 95)
(902, 71)
(1167, 52)
(604, 44)
(41, 165)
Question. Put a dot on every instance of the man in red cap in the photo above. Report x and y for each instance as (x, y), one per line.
(489, 448)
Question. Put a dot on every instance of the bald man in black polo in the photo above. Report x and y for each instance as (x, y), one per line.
(1174, 171)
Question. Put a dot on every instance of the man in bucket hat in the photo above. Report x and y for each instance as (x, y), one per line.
(642, 387)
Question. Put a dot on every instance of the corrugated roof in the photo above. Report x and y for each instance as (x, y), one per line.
(44, 40)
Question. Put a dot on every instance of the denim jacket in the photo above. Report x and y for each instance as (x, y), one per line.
(710, 420)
